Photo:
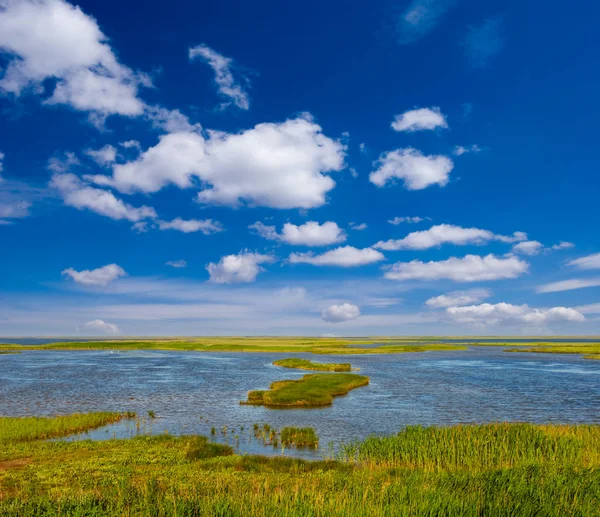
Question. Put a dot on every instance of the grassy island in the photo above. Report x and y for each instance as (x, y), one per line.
(304, 364)
(312, 390)
(492, 470)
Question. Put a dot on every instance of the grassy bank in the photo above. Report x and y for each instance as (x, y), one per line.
(588, 350)
(40, 428)
(312, 390)
(251, 344)
(304, 364)
(492, 470)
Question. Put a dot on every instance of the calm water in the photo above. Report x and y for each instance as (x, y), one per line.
(192, 392)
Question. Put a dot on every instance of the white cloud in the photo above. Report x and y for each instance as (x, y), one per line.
(52, 39)
(64, 163)
(458, 298)
(206, 226)
(459, 150)
(592, 308)
(562, 245)
(528, 248)
(358, 227)
(102, 327)
(339, 313)
(415, 169)
(226, 83)
(171, 121)
(420, 18)
(100, 277)
(399, 220)
(587, 262)
(240, 268)
(535, 248)
(445, 234)
(471, 268)
(13, 209)
(310, 233)
(484, 41)
(493, 314)
(104, 156)
(78, 194)
(177, 264)
(131, 144)
(274, 165)
(346, 256)
(419, 120)
(1, 163)
(568, 285)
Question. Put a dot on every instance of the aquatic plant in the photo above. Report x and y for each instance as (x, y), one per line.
(299, 437)
(312, 390)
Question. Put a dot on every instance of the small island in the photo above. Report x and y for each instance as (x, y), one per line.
(312, 390)
(305, 364)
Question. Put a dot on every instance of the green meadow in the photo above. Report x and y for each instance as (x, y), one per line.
(487, 470)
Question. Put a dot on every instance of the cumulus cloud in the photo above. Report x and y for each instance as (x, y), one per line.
(592, 308)
(222, 66)
(131, 144)
(568, 285)
(587, 262)
(416, 170)
(493, 314)
(445, 234)
(459, 150)
(206, 226)
(96, 277)
(63, 163)
(471, 268)
(1, 163)
(358, 227)
(535, 247)
(484, 41)
(419, 120)
(420, 18)
(458, 298)
(104, 156)
(346, 256)
(310, 233)
(78, 194)
(240, 268)
(177, 264)
(11, 208)
(101, 327)
(52, 39)
(399, 220)
(339, 313)
(274, 165)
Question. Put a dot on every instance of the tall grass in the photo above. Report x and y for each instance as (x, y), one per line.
(39, 428)
(312, 390)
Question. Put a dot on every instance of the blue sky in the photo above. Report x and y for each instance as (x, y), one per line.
(246, 168)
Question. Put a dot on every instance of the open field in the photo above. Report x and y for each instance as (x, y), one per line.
(303, 364)
(312, 390)
(252, 344)
(492, 470)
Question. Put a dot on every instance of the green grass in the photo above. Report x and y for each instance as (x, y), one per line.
(304, 364)
(299, 437)
(312, 390)
(589, 350)
(6, 352)
(493, 470)
(37, 428)
(282, 345)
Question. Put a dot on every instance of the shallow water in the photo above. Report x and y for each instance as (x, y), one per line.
(192, 392)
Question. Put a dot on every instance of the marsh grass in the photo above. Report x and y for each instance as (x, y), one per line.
(312, 390)
(299, 437)
(493, 470)
(304, 364)
(39, 428)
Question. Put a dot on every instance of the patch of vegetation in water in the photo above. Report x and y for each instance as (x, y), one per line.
(23, 429)
(304, 364)
(496, 470)
(7, 352)
(299, 437)
(591, 350)
(312, 390)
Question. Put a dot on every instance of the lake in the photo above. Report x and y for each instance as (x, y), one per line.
(191, 392)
